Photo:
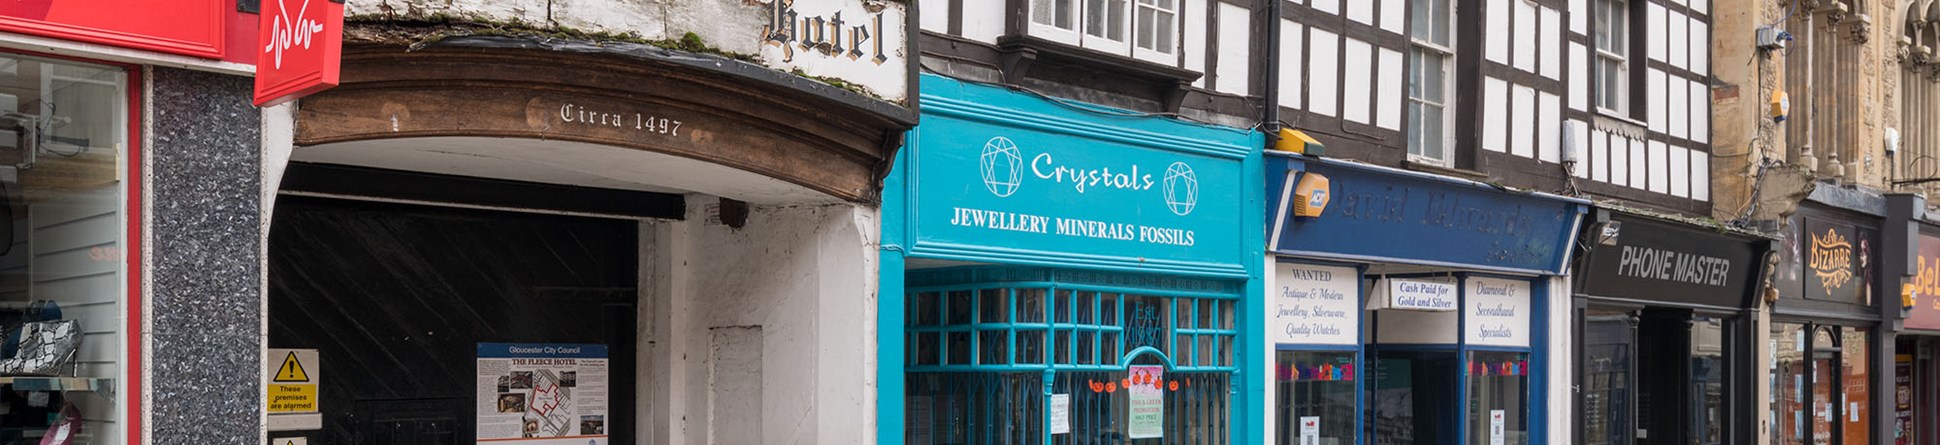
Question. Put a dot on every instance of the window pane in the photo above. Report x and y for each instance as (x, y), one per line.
(1064, 13)
(1087, 347)
(1418, 13)
(959, 352)
(1607, 378)
(1030, 305)
(923, 309)
(1062, 353)
(1440, 18)
(1043, 11)
(995, 306)
(1308, 386)
(1498, 384)
(1108, 305)
(1414, 73)
(1414, 128)
(1095, 17)
(1108, 341)
(1030, 347)
(1433, 138)
(1434, 77)
(1602, 31)
(959, 307)
(1857, 393)
(1788, 384)
(994, 347)
(1619, 27)
(1116, 22)
(1146, 30)
(1166, 34)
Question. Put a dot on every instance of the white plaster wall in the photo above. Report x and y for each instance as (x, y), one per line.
(736, 26)
(1562, 366)
(803, 279)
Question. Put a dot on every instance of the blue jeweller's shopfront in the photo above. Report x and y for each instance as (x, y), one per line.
(1063, 273)
(1409, 308)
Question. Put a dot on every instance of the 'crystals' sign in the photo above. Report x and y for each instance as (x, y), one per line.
(998, 175)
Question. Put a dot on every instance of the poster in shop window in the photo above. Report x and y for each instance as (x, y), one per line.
(1147, 402)
(542, 393)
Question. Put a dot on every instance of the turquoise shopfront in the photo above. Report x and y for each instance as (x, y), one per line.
(1056, 272)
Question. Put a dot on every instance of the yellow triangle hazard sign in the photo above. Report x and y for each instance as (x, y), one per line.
(292, 371)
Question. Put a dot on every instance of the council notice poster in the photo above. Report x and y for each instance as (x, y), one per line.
(542, 393)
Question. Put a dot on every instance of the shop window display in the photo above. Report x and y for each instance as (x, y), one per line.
(1129, 367)
(1821, 384)
(1315, 388)
(63, 133)
(1498, 385)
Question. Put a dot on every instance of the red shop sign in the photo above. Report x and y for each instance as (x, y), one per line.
(186, 27)
(302, 49)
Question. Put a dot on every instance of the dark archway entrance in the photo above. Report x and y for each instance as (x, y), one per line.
(396, 298)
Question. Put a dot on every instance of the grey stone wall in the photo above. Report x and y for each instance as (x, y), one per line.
(206, 300)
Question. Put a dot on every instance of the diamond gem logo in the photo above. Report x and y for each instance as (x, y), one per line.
(1181, 188)
(1002, 166)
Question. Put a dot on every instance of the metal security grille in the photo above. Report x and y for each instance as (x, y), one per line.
(988, 347)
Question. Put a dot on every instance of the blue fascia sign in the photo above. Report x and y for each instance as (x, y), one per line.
(1379, 214)
(1006, 177)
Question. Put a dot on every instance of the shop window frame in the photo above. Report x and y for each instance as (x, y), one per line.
(1362, 368)
(1836, 352)
(1110, 298)
(132, 250)
(1190, 348)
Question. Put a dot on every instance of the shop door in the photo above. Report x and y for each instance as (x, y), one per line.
(397, 298)
(1416, 398)
(1664, 377)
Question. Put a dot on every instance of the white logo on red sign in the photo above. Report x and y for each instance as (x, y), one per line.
(286, 33)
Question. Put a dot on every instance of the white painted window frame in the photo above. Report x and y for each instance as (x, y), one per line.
(1619, 105)
(1102, 41)
(1168, 55)
(1052, 32)
(1419, 43)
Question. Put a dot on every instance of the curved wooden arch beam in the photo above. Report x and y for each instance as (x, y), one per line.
(627, 96)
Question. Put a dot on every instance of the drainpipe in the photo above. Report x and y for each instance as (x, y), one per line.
(1270, 118)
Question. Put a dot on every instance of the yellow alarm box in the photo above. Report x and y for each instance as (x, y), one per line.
(1310, 196)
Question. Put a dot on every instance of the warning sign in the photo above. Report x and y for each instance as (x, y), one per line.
(291, 393)
(292, 370)
(290, 441)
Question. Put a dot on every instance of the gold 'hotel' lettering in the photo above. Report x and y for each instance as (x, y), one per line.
(1831, 259)
(829, 36)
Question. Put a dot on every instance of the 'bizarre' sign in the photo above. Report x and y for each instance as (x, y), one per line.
(302, 49)
(1834, 258)
(990, 175)
(1316, 305)
(1647, 259)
